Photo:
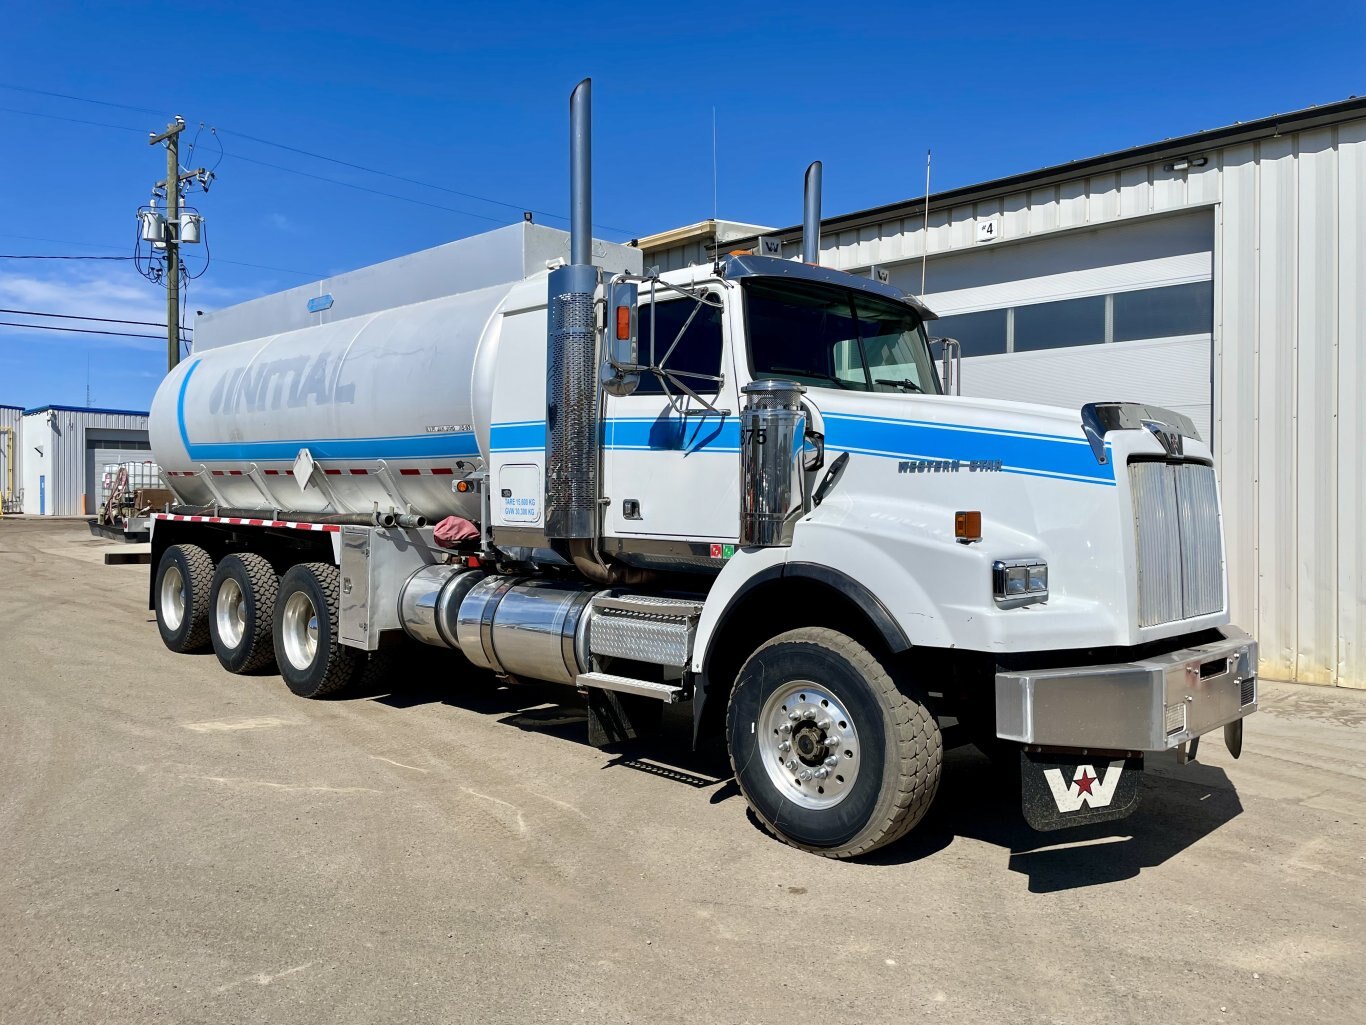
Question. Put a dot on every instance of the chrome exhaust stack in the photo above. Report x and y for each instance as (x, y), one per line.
(811, 214)
(571, 386)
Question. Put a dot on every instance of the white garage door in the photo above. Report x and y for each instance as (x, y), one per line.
(1122, 312)
(122, 452)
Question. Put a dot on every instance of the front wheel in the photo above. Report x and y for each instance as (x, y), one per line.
(832, 756)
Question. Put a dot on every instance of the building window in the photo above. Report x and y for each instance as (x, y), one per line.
(1056, 325)
(1164, 312)
(980, 334)
(698, 352)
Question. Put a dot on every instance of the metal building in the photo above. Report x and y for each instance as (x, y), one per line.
(1220, 274)
(65, 449)
(11, 452)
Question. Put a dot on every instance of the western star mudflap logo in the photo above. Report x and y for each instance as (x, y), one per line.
(1056, 792)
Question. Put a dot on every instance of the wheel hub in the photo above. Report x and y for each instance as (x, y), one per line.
(809, 744)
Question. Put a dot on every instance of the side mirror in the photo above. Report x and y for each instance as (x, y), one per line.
(952, 374)
(620, 374)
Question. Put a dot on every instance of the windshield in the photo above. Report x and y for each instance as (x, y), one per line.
(835, 338)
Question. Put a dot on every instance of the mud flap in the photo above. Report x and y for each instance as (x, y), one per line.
(1057, 792)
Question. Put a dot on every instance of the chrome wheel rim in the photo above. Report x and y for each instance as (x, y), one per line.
(172, 597)
(300, 630)
(231, 614)
(809, 744)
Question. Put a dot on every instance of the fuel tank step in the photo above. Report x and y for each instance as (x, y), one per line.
(669, 693)
(644, 628)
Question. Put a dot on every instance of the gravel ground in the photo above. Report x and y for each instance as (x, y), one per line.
(179, 844)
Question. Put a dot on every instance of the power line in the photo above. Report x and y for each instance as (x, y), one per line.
(366, 188)
(11, 256)
(97, 245)
(76, 330)
(71, 120)
(403, 178)
(72, 316)
(80, 99)
(307, 153)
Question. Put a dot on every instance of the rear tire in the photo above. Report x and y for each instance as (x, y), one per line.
(183, 585)
(308, 649)
(242, 612)
(862, 758)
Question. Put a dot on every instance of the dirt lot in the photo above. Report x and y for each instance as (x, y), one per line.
(179, 844)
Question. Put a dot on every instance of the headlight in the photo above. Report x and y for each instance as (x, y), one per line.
(1018, 582)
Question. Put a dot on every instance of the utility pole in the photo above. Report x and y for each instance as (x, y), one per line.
(172, 139)
(171, 240)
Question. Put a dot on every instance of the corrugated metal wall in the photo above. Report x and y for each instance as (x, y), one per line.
(11, 476)
(62, 433)
(1290, 361)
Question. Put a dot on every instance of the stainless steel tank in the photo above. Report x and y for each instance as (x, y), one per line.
(382, 403)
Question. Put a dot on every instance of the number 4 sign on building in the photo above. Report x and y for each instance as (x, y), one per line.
(988, 230)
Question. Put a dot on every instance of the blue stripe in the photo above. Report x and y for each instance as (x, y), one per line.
(527, 436)
(1036, 455)
(405, 446)
(642, 434)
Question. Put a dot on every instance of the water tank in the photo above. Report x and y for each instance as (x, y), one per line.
(383, 404)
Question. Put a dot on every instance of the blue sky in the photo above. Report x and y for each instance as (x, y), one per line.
(472, 98)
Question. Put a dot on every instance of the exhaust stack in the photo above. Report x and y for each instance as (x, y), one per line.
(571, 385)
(811, 214)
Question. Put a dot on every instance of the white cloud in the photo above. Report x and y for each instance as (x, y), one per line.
(115, 291)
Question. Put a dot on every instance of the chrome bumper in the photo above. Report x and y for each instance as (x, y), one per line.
(1149, 705)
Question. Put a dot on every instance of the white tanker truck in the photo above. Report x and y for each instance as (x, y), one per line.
(740, 485)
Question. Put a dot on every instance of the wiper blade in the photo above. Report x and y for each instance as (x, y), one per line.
(905, 382)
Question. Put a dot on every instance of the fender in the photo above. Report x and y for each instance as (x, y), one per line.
(870, 604)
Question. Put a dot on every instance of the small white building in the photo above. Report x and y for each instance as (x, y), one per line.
(64, 449)
(1219, 274)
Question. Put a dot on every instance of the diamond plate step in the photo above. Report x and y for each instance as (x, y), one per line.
(649, 605)
(669, 693)
(643, 628)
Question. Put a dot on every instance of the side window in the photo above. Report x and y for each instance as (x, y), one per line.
(697, 352)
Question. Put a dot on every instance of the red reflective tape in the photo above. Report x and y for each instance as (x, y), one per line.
(218, 473)
(359, 473)
(272, 473)
(234, 473)
(444, 471)
(332, 472)
(409, 471)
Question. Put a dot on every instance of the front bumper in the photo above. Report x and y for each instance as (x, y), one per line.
(1148, 705)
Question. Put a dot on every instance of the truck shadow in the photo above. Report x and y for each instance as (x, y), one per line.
(1179, 806)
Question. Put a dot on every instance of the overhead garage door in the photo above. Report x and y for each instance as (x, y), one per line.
(107, 453)
(1122, 312)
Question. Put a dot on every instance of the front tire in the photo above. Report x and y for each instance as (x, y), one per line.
(833, 757)
(242, 611)
(308, 649)
(184, 579)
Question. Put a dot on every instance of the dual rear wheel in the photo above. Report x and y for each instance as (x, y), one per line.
(254, 618)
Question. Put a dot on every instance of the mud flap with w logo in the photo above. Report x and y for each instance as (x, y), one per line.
(1057, 792)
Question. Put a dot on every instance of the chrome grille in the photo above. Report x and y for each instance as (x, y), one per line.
(1176, 527)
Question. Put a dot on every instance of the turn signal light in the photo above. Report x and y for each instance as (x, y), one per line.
(623, 323)
(967, 526)
(463, 486)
